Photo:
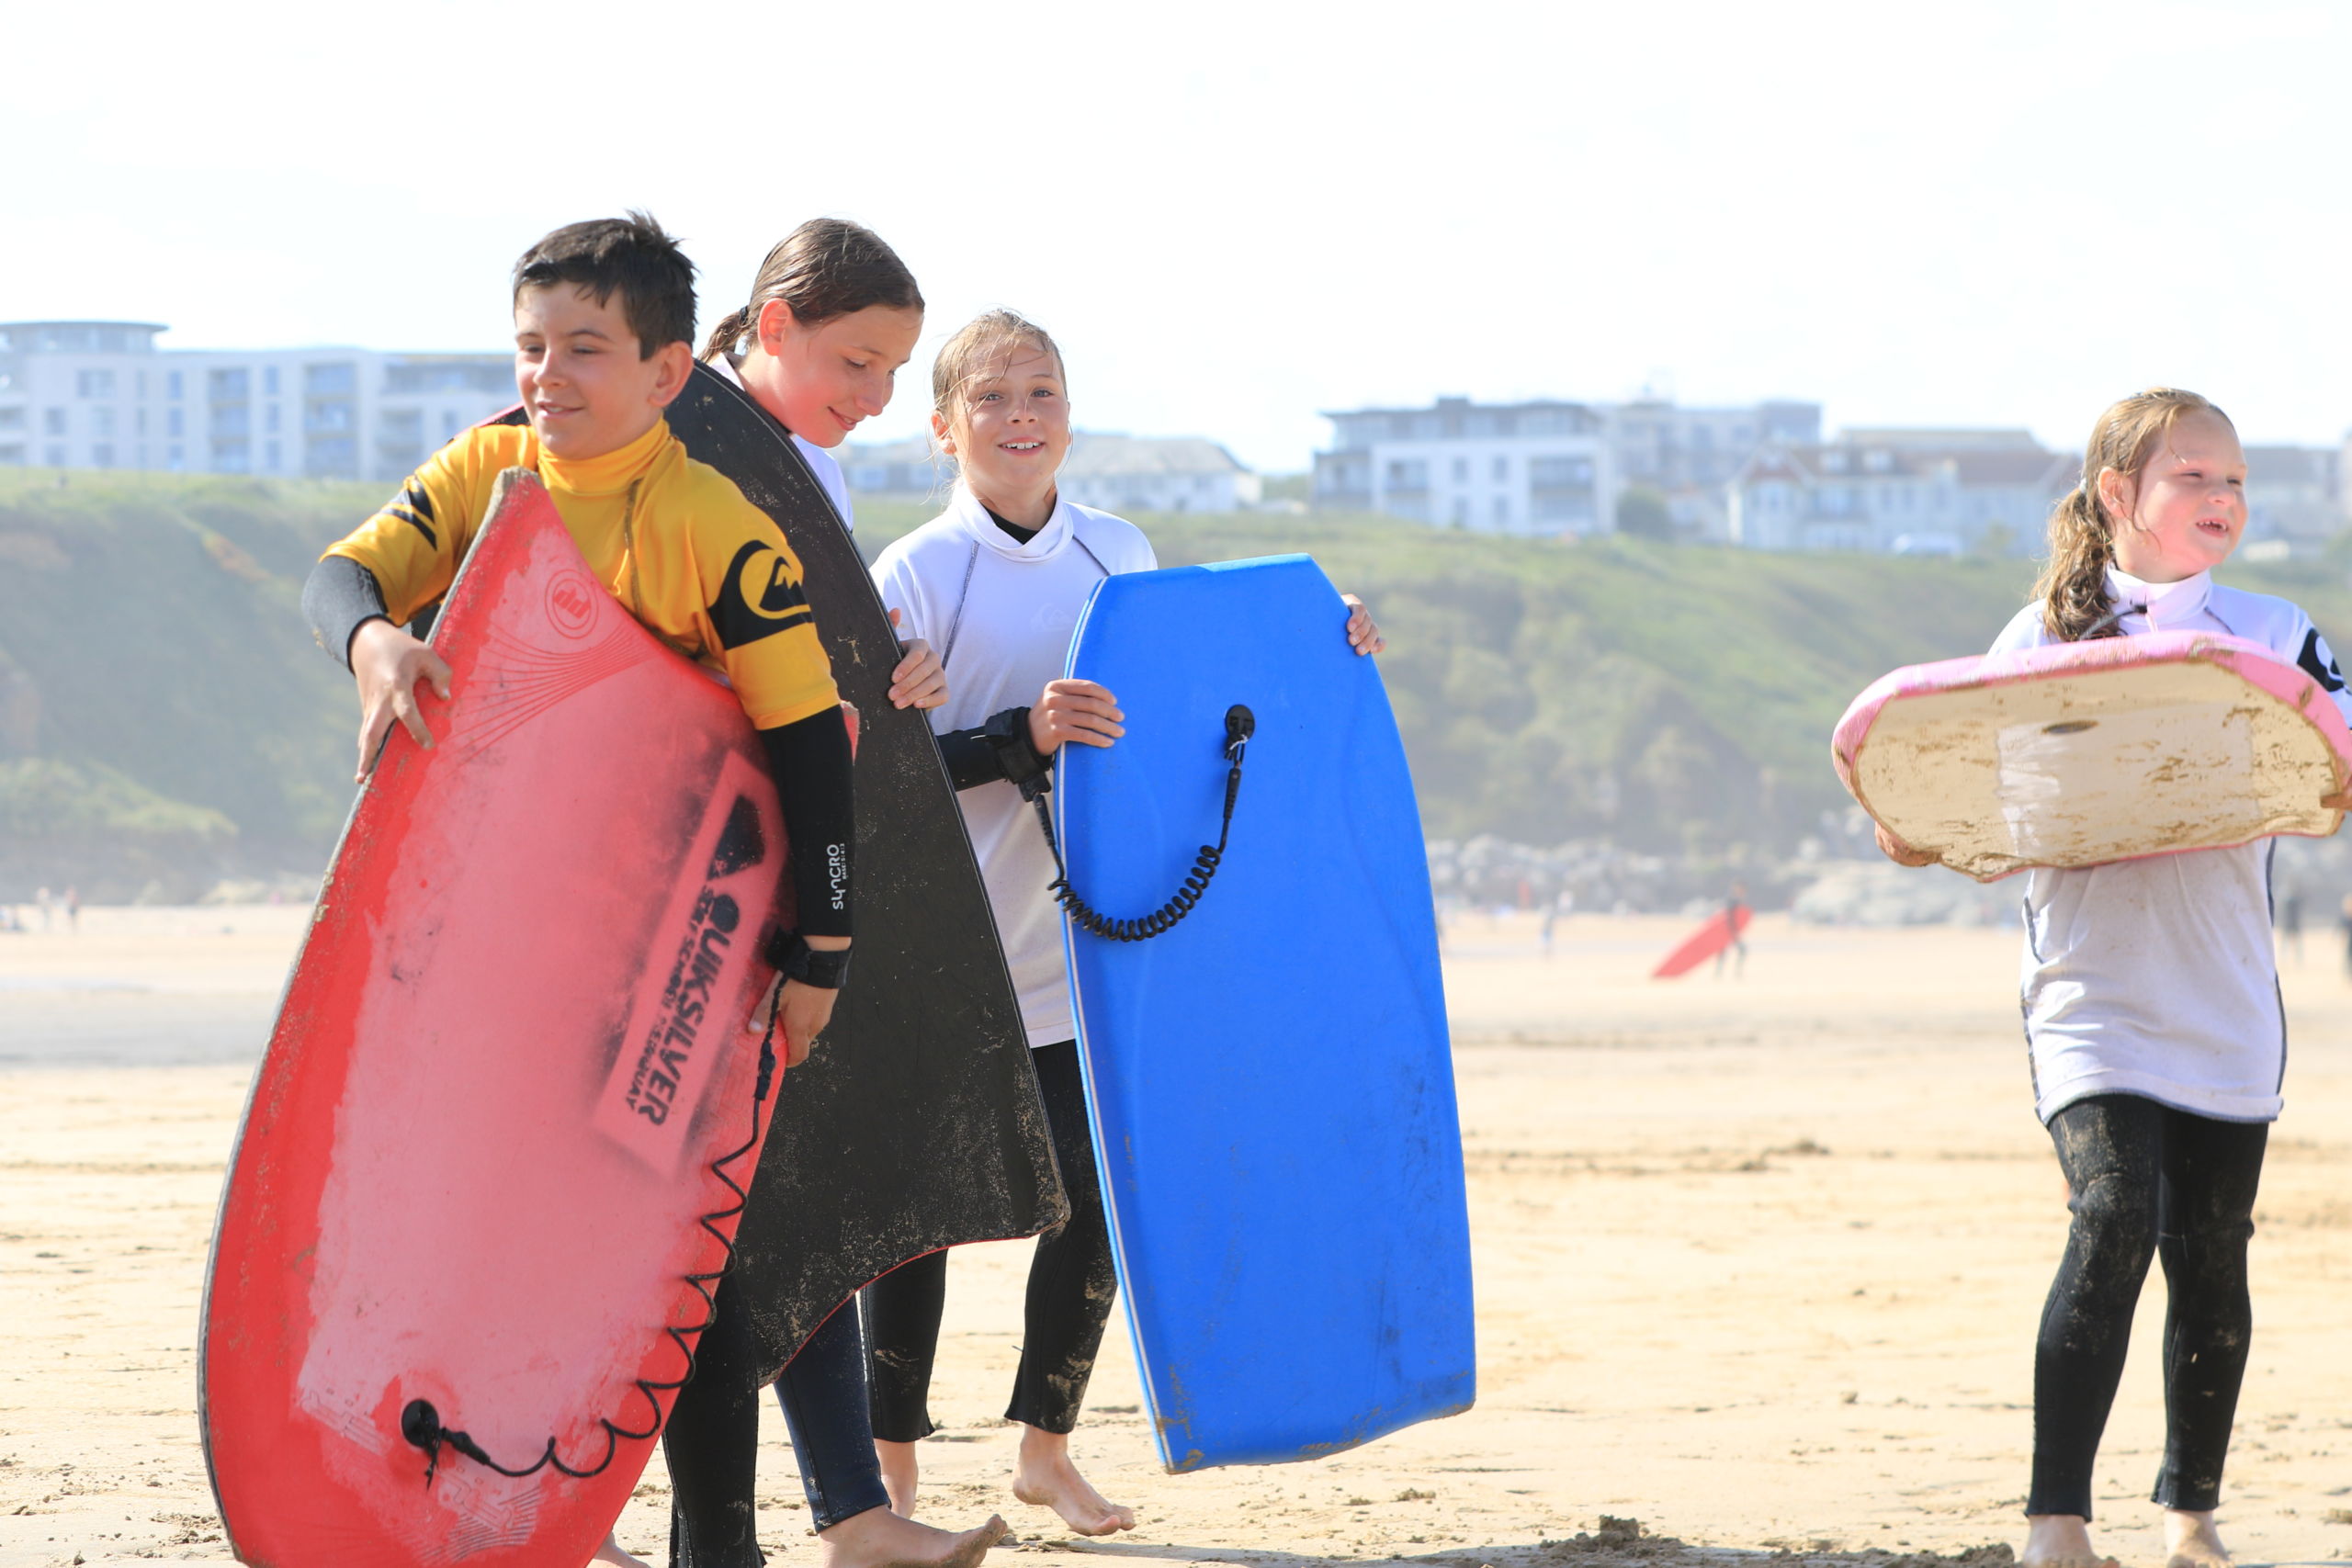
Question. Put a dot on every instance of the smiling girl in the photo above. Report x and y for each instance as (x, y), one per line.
(2152, 1007)
(831, 316)
(997, 583)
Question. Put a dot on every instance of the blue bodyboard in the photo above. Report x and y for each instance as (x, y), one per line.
(1271, 1079)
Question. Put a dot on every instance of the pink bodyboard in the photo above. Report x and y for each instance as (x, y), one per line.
(496, 1137)
(2086, 754)
(1721, 929)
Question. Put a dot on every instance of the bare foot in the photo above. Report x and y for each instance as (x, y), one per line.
(1046, 1478)
(611, 1552)
(880, 1538)
(2060, 1541)
(2191, 1542)
(899, 1474)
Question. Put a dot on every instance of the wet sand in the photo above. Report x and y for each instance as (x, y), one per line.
(1759, 1262)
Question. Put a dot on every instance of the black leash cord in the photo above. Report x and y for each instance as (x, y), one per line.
(1241, 723)
(420, 1423)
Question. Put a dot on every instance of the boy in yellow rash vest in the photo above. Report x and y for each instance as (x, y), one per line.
(603, 323)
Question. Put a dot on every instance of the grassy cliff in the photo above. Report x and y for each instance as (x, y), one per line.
(165, 718)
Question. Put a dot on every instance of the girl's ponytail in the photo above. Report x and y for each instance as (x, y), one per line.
(827, 267)
(2073, 586)
(728, 333)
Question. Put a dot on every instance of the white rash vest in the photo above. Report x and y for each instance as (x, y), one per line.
(998, 613)
(2156, 977)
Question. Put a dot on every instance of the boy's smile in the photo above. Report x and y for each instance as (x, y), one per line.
(584, 382)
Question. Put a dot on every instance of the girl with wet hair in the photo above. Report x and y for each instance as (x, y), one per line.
(831, 316)
(997, 583)
(2156, 1037)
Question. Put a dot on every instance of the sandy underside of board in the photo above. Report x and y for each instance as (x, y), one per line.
(2081, 770)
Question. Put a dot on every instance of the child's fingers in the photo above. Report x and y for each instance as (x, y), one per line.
(437, 669)
(412, 720)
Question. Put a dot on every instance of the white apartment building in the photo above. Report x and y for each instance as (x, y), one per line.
(1908, 492)
(1548, 466)
(101, 395)
(2294, 497)
(1535, 468)
(1111, 472)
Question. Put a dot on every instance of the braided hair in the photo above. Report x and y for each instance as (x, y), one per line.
(2073, 586)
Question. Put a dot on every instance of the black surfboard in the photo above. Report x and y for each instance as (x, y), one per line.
(915, 1124)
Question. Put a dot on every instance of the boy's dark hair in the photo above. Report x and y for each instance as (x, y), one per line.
(630, 254)
(827, 267)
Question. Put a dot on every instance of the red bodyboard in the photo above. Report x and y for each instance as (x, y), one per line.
(1721, 929)
(477, 1167)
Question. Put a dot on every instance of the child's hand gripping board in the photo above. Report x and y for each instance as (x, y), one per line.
(2082, 753)
(496, 1147)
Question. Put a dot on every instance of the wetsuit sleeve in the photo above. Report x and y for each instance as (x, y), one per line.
(756, 615)
(413, 542)
(1000, 749)
(2316, 659)
(811, 761)
(340, 597)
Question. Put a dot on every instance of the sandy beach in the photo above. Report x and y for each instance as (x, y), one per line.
(1758, 1264)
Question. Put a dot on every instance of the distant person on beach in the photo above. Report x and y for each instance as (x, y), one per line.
(44, 900)
(2152, 1006)
(72, 908)
(1734, 922)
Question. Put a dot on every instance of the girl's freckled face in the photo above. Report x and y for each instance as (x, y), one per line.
(2186, 511)
(1015, 429)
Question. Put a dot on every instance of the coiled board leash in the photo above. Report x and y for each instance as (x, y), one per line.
(1241, 723)
(421, 1422)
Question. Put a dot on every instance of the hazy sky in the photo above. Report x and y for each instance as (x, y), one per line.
(1235, 215)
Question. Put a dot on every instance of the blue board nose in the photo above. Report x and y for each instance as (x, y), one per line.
(1270, 1078)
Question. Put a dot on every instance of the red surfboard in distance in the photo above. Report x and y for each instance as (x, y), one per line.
(1721, 929)
(488, 1151)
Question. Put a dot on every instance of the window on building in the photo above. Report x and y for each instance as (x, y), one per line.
(1461, 512)
(339, 380)
(1461, 471)
(13, 455)
(229, 385)
(1502, 471)
(1559, 473)
(12, 419)
(1407, 473)
(172, 385)
(102, 455)
(94, 383)
(269, 455)
(138, 422)
(102, 420)
(142, 384)
(175, 458)
(1502, 510)
(52, 421)
(54, 457)
(270, 381)
(269, 416)
(175, 421)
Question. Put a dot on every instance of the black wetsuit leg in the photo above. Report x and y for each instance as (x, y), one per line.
(902, 1311)
(2146, 1180)
(1072, 1279)
(712, 1439)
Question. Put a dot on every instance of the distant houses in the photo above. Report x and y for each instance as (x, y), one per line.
(101, 395)
(1759, 475)
(1903, 492)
